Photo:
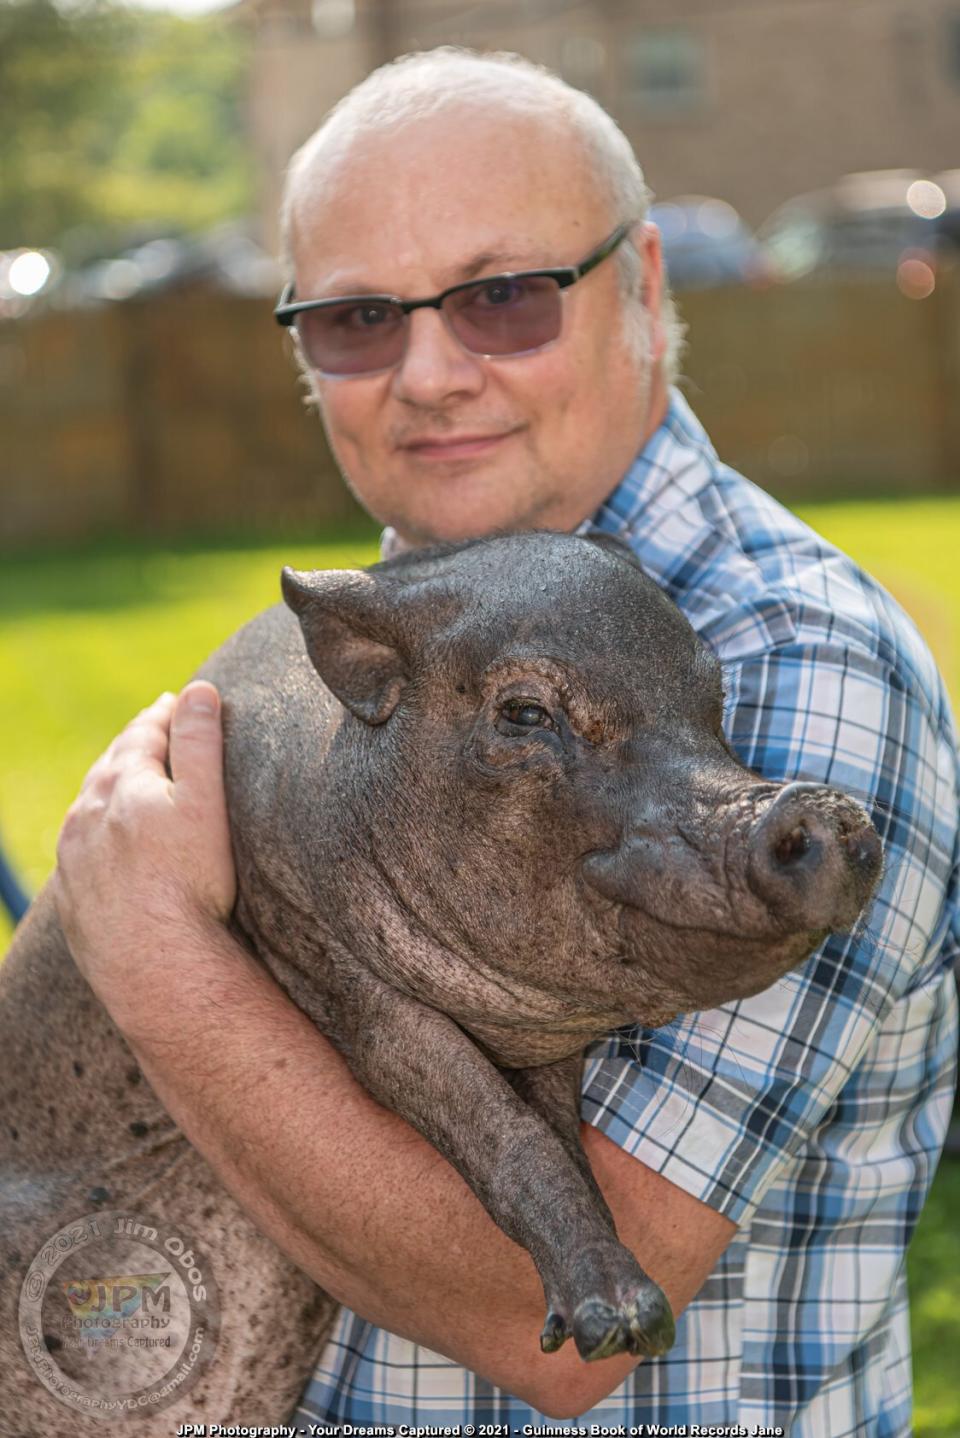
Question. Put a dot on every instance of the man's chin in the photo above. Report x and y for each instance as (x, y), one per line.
(417, 536)
(457, 519)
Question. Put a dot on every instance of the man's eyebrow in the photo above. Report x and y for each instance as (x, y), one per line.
(513, 257)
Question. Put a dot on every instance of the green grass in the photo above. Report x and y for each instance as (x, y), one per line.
(911, 546)
(933, 1265)
(87, 639)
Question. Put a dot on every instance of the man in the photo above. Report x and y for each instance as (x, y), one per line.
(766, 1161)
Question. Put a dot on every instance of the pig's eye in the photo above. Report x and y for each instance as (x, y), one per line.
(525, 714)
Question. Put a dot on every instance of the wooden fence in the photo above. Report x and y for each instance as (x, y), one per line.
(183, 413)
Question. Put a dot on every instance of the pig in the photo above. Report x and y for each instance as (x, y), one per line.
(483, 811)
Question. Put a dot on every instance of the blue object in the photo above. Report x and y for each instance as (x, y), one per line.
(13, 898)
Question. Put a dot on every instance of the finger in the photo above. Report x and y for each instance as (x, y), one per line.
(143, 743)
(97, 776)
(146, 737)
(155, 717)
(196, 744)
(158, 712)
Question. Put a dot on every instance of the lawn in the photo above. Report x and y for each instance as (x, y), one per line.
(86, 639)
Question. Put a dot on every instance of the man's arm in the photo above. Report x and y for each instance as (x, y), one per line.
(356, 1197)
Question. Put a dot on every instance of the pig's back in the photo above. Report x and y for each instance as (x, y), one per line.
(280, 722)
(268, 653)
(278, 714)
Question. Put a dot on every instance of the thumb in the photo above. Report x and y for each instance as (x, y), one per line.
(196, 742)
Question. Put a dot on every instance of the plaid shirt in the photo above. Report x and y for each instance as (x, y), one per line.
(813, 1114)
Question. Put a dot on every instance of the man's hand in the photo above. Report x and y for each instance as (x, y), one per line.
(144, 859)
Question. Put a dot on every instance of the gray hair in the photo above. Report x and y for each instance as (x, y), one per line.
(427, 82)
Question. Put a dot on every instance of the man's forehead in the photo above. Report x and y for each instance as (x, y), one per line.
(463, 200)
(497, 257)
(458, 157)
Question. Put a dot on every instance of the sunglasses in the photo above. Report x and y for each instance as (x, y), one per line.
(504, 315)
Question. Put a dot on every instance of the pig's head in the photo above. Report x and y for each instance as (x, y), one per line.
(548, 833)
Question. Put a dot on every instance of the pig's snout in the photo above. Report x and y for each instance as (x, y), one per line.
(808, 860)
(814, 858)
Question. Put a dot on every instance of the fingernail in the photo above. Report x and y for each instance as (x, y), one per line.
(201, 700)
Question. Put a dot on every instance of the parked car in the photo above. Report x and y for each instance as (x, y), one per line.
(706, 243)
(225, 257)
(948, 223)
(899, 222)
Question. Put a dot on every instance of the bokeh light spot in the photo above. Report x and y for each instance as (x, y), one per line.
(915, 278)
(926, 199)
(28, 273)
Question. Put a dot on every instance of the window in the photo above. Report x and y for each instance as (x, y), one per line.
(332, 18)
(582, 61)
(953, 47)
(665, 71)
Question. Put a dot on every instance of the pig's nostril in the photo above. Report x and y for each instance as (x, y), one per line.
(814, 859)
(864, 850)
(792, 847)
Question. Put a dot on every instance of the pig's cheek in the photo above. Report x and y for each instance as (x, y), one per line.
(491, 756)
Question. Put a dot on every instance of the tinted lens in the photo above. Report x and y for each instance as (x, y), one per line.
(506, 316)
(352, 338)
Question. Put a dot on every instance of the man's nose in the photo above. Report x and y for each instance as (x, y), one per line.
(435, 366)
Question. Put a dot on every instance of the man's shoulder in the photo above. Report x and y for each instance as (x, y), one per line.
(709, 536)
(753, 578)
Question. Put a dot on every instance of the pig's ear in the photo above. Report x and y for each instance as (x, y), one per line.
(353, 636)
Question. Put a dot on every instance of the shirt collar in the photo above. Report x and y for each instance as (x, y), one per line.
(678, 457)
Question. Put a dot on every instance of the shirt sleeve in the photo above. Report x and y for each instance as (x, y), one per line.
(720, 1101)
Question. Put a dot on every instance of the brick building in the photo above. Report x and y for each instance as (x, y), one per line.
(749, 100)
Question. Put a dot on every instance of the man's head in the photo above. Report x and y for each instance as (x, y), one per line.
(445, 167)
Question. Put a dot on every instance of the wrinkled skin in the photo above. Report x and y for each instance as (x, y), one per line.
(505, 822)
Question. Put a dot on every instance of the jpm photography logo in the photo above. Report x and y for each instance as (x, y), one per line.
(118, 1314)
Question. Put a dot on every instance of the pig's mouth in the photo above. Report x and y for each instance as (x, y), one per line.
(681, 968)
(734, 925)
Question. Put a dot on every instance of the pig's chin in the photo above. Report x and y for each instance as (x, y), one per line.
(691, 969)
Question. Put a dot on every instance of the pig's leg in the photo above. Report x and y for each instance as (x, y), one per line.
(418, 1063)
(553, 1091)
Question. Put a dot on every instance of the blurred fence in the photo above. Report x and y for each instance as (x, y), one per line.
(182, 413)
(177, 414)
(828, 388)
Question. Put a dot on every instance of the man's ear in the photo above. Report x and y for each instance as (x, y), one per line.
(352, 635)
(645, 239)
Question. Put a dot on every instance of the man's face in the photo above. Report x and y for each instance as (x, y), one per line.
(449, 445)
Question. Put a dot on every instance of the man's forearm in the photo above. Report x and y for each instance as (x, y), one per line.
(357, 1198)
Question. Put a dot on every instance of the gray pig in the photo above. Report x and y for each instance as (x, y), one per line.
(504, 823)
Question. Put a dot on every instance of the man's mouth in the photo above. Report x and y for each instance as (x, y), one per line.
(457, 446)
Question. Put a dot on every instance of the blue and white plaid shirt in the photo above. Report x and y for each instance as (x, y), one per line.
(813, 1114)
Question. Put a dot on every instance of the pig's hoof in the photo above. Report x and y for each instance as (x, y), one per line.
(555, 1332)
(642, 1325)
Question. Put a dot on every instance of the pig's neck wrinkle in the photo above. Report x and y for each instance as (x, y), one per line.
(289, 942)
(367, 912)
(527, 1048)
(430, 967)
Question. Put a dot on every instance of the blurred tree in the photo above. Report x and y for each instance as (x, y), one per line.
(112, 118)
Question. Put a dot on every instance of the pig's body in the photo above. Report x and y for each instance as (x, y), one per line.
(505, 823)
(76, 1155)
